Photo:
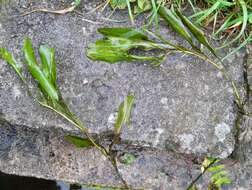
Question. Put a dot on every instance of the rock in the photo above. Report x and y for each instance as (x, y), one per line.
(185, 107)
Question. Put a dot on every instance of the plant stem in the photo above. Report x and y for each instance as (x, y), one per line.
(84, 130)
(79, 126)
(203, 57)
(200, 175)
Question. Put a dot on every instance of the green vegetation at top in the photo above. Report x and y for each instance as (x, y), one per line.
(230, 20)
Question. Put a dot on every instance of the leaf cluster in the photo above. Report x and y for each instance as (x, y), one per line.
(118, 43)
(219, 176)
(46, 77)
(50, 96)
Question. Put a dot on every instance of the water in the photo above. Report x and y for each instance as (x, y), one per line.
(12, 182)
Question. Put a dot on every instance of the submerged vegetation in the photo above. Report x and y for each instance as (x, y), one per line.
(50, 97)
(228, 20)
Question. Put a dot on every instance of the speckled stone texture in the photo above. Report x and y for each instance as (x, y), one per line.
(186, 106)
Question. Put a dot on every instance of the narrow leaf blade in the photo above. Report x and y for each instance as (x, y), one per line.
(37, 72)
(175, 24)
(29, 52)
(47, 56)
(197, 33)
(8, 57)
(129, 33)
(124, 113)
(79, 142)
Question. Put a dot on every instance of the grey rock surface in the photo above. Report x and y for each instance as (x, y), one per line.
(186, 106)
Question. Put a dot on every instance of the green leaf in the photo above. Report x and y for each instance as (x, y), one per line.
(115, 49)
(209, 11)
(243, 6)
(197, 33)
(218, 175)
(104, 50)
(222, 181)
(8, 57)
(250, 18)
(29, 52)
(77, 2)
(47, 56)
(175, 24)
(37, 72)
(216, 168)
(129, 33)
(225, 25)
(207, 162)
(142, 5)
(120, 4)
(79, 142)
(124, 113)
(128, 159)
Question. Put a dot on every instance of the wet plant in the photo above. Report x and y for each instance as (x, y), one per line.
(231, 20)
(119, 44)
(48, 95)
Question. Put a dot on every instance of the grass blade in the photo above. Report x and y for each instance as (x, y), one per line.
(155, 12)
(243, 44)
(224, 25)
(244, 23)
(209, 11)
(130, 12)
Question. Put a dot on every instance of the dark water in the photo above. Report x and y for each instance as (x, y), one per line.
(12, 182)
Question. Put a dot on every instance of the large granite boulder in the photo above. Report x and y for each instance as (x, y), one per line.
(186, 107)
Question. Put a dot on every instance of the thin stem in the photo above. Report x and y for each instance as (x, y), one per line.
(130, 12)
(114, 163)
(79, 126)
(83, 129)
(202, 56)
(200, 175)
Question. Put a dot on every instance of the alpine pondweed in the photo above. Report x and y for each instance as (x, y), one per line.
(117, 45)
(119, 42)
(50, 97)
(123, 118)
